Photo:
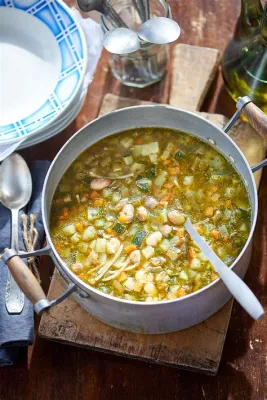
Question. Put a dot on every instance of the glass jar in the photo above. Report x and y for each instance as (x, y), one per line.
(147, 65)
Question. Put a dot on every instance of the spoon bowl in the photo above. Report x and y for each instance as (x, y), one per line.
(121, 41)
(159, 30)
(15, 182)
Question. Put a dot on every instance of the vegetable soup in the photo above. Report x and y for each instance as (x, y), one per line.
(117, 217)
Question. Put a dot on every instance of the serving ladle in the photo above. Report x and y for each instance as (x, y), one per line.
(240, 291)
(15, 193)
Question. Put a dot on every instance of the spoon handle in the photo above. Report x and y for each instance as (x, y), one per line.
(14, 296)
(236, 286)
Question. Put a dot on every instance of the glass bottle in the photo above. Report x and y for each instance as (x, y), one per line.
(244, 63)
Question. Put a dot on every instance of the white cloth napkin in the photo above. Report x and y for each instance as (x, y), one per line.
(94, 40)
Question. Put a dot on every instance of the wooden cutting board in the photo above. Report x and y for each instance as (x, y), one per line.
(198, 348)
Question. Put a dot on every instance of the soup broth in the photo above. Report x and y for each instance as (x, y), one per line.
(117, 216)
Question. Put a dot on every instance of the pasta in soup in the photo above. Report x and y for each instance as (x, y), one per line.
(117, 216)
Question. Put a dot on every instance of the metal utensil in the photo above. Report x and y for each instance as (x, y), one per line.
(121, 41)
(15, 193)
(236, 286)
(147, 9)
(104, 7)
(159, 30)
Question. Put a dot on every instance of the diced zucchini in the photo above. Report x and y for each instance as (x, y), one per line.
(101, 245)
(92, 213)
(116, 197)
(69, 230)
(160, 179)
(148, 252)
(151, 172)
(153, 147)
(145, 149)
(127, 142)
(165, 244)
(75, 238)
(191, 273)
(183, 275)
(119, 228)
(188, 180)
(137, 168)
(139, 237)
(128, 160)
(163, 216)
(173, 253)
(144, 184)
(179, 154)
(89, 233)
(99, 223)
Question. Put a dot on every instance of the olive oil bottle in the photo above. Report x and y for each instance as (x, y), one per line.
(244, 63)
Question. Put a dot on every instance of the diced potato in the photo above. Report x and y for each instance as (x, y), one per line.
(88, 234)
(75, 238)
(129, 284)
(150, 288)
(92, 213)
(92, 244)
(69, 230)
(83, 247)
(183, 275)
(165, 244)
(127, 142)
(65, 252)
(160, 179)
(148, 252)
(188, 180)
(195, 263)
(128, 160)
(101, 245)
(173, 253)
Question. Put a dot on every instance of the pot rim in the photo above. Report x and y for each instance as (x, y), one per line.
(86, 287)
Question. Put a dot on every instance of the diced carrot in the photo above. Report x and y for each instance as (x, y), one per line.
(164, 199)
(123, 219)
(215, 197)
(168, 185)
(59, 201)
(226, 239)
(215, 234)
(180, 232)
(228, 204)
(122, 277)
(140, 140)
(191, 252)
(93, 194)
(109, 230)
(98, 202)
(174, 171)
(138, 286)
(166, 162)
(214, 276)
(213, 189)
(66, 212)
(199, 229)
(88, 250)
(79, 227)
(128, 249)
(181, 292)
(209, 211)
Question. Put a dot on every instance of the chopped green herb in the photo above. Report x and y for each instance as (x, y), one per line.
(179, 154)
(144, 184)
(119, 228)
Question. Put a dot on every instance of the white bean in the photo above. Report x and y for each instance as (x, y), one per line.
(141, 213)
(151, 203)
(150, 288)
(100, 183)
(165, 230)
(176, 218)
(154, 238)
(77, 267)
(135, 257)
(128, 213)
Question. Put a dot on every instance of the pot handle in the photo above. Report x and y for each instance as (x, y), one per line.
(29, 284)
(256, 118)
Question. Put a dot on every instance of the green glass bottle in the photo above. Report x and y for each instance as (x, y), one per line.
(244, 63)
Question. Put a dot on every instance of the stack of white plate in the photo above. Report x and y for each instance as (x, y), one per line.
(43, 59)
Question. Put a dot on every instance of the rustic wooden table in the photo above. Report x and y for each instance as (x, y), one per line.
(54, 372)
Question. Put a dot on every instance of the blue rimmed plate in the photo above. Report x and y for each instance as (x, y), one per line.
(43, 60)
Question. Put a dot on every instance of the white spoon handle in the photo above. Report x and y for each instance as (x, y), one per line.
(236, 286)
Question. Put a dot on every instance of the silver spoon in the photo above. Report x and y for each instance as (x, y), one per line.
(159, 30)
(104, 8)
(235, 285)
(121, 41)
(15, 193)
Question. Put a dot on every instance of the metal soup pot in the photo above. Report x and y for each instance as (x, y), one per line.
(157, 317)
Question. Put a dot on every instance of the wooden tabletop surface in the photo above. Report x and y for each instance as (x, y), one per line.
(57, 372)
